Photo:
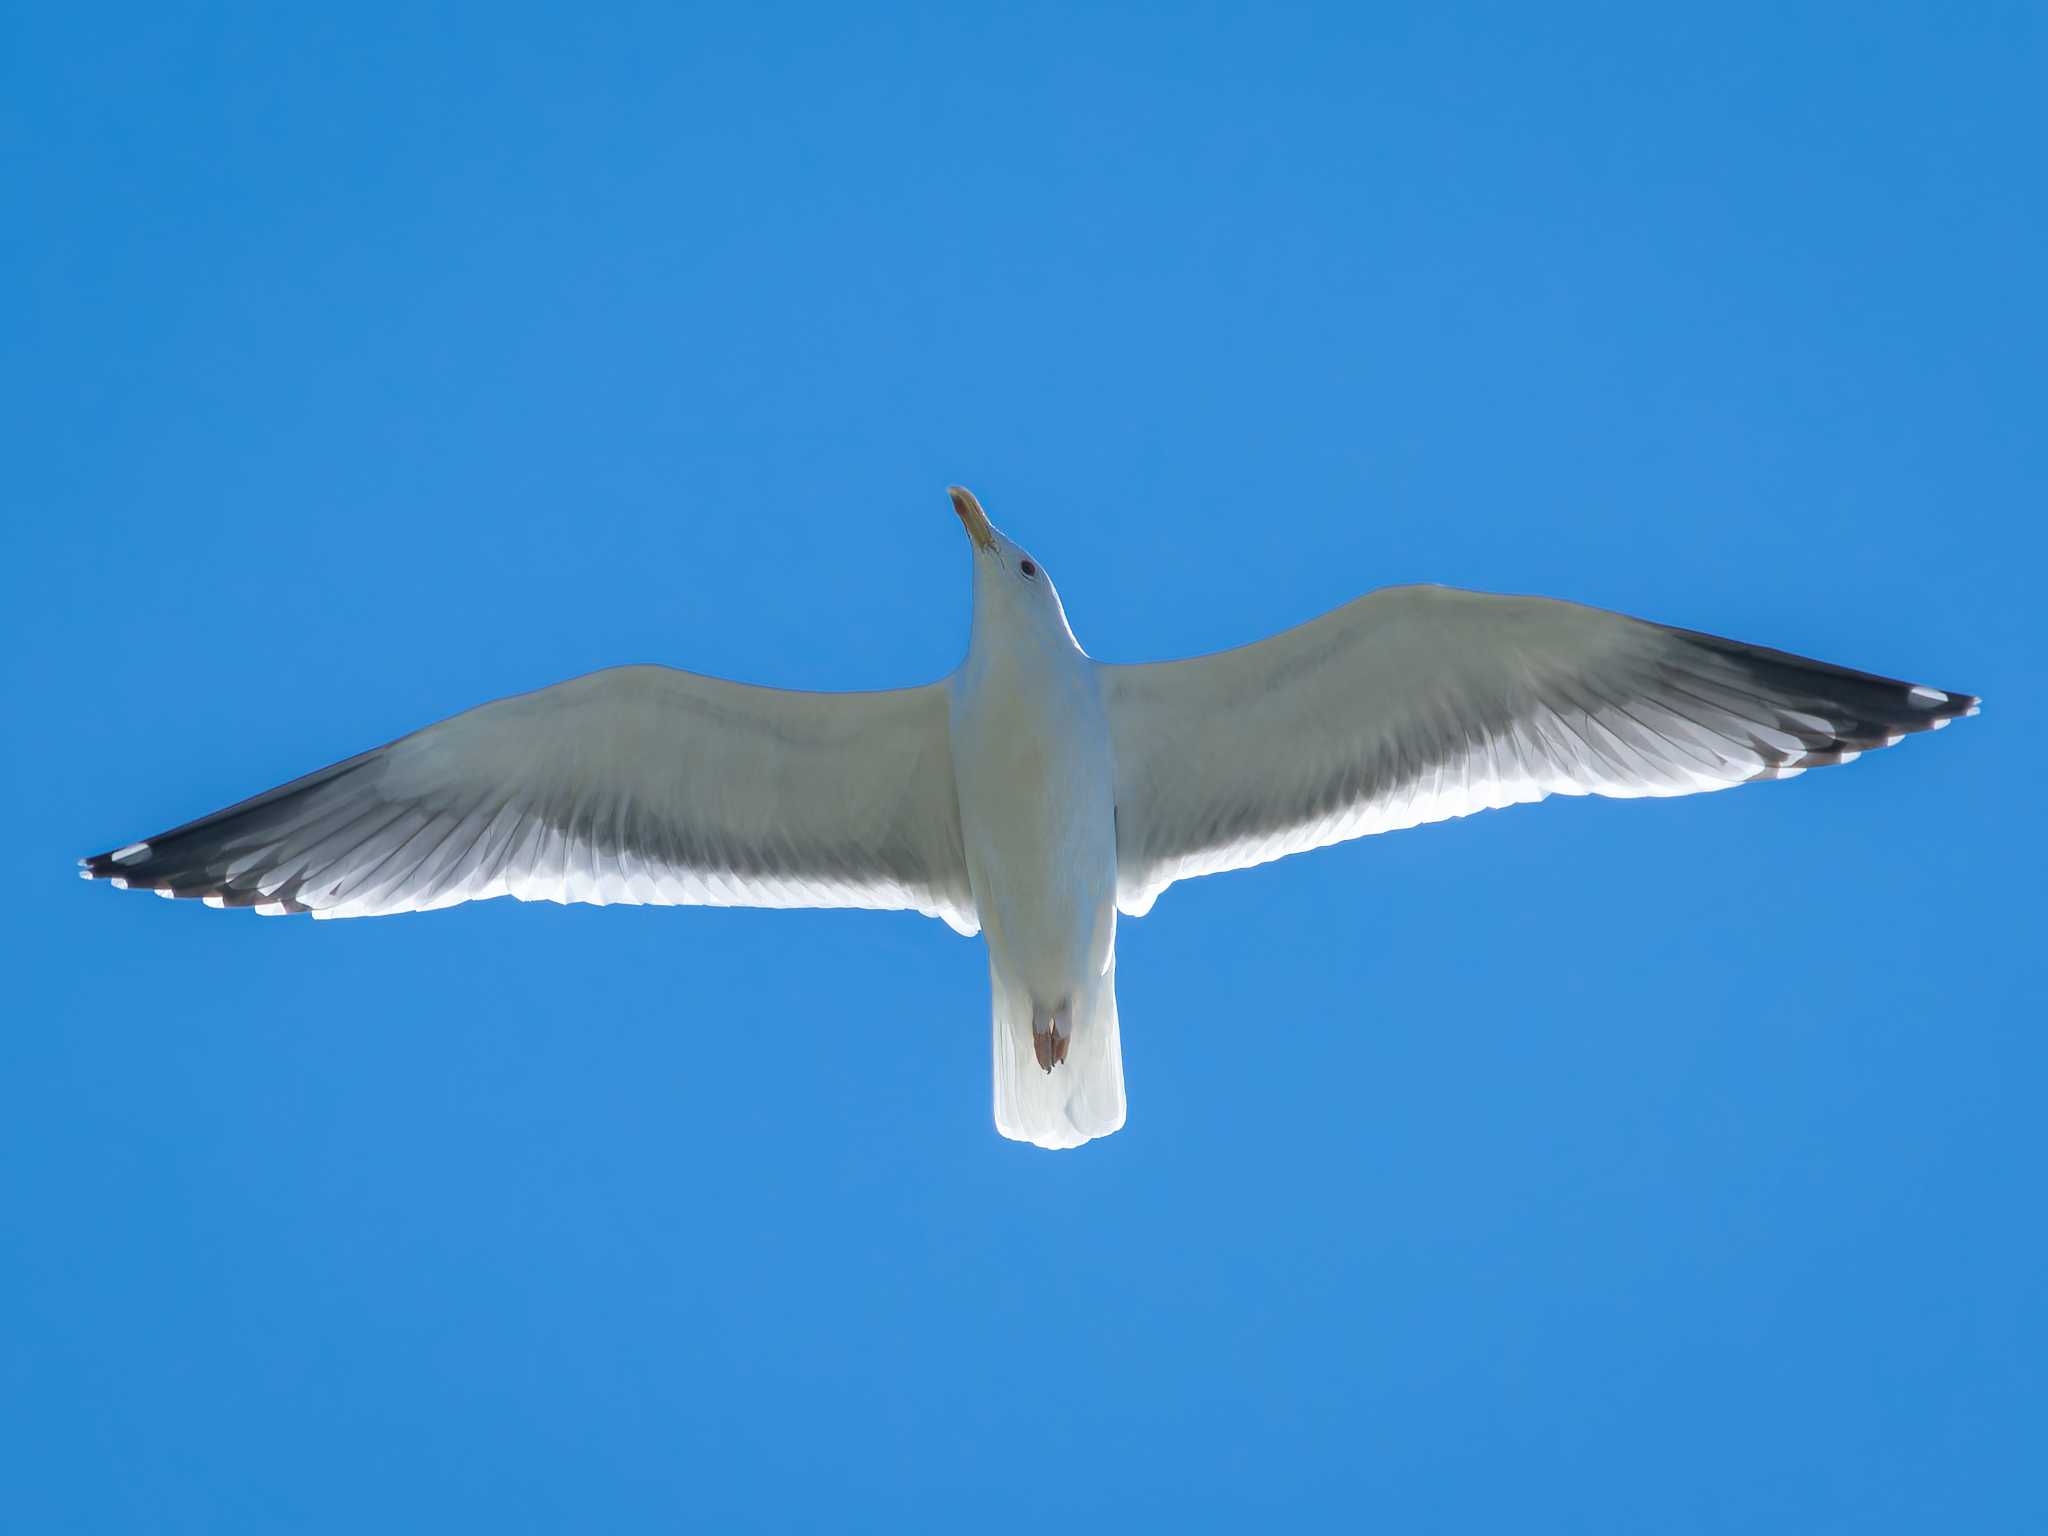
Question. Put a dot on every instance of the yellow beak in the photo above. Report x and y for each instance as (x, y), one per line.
(972, 518)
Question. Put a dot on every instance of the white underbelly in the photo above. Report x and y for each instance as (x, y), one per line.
(1038, 815)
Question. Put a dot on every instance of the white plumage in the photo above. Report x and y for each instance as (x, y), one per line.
(1035, 793)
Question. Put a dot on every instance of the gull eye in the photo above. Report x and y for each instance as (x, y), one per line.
(1028, 569)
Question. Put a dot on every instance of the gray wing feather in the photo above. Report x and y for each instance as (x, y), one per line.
(637, 784)
(1417, 704)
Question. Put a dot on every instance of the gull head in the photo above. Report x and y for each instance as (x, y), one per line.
(1013, 595)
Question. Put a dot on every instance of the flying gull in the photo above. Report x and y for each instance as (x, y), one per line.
(1035, 794)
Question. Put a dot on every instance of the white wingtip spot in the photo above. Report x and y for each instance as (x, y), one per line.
(131, 853)
(1849, 756)
(270, 909)
(117, 883)
(167, 893)
(1941, 724)
(216, 902)
(1970, 711)
(1926, 697)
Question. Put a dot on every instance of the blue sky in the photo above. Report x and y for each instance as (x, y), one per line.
(1590, 1167)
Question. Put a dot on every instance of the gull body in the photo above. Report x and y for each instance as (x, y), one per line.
(1034, 794)
(1031, 756)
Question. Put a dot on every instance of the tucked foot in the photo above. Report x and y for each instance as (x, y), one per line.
(1052, 1031)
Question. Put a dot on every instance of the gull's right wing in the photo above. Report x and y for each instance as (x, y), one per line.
(1417, 704)
(637, 784)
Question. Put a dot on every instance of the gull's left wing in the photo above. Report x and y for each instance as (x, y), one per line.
(637, 784)
(1417, 704)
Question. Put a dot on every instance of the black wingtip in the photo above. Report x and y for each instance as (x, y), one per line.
(97, 866)
(186, 861)
(175, 880)
(107, 867)
(1821, 714)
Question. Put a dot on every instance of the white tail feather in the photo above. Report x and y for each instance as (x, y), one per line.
(1082, 1097)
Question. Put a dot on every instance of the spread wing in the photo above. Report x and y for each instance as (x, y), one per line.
(638, 784)
(1417, 704)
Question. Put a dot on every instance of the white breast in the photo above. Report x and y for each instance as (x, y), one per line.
(1031, 757)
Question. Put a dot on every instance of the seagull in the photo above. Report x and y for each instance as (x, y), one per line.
(1035, 794)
